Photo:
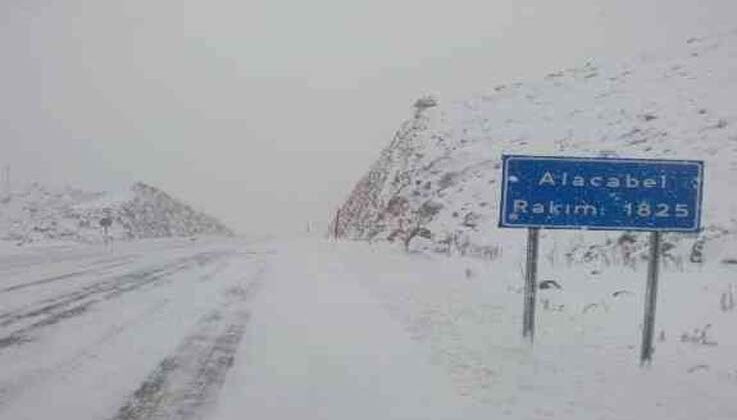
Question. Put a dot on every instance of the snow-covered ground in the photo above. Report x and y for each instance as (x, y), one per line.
(229, 329)
(584, 364)
(442, 170)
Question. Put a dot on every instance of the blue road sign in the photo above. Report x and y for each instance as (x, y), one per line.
(601, 193)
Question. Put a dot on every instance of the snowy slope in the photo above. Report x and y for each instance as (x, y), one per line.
(38, 214)
(439, 177)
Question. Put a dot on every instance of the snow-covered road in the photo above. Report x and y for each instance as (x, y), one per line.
(172, 330)
(321, 346)
(146, 331)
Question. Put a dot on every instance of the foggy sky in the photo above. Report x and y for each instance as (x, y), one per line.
(265, 113)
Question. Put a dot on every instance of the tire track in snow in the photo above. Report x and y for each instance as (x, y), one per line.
(94, 269)
(57, 309)
(185, 384)
(10, 389)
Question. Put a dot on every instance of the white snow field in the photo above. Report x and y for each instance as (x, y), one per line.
(231, 329)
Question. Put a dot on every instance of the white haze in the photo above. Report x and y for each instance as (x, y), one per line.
(265, 113)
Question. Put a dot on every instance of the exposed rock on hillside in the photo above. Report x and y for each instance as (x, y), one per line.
(440, 174)
(40, 214)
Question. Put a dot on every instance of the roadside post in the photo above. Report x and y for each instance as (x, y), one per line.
(649, 195)
(337, 223)
(651, 298)
(528, 320)
(105, 223)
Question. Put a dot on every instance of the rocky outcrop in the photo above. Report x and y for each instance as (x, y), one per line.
(41, 214)
(437, 182)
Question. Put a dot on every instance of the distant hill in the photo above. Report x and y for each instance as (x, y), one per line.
(436, 185)
(38, 213)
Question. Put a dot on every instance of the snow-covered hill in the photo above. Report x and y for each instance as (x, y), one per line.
(436, 186)
(38, 213)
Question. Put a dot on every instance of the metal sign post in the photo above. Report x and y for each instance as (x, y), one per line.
(651, 298)
(337, 224)
(528, 327)
(648, 195)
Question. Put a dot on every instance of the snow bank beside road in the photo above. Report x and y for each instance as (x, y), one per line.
(584, 364)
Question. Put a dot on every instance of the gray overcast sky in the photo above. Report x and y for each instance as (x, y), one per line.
(266, 112)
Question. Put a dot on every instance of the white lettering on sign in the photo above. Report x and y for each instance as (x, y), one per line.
(624, 181)
(555, 209)
(646, 209)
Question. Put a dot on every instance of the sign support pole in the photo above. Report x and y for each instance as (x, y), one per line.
(337, 222)
(651, 297)
(528, 327)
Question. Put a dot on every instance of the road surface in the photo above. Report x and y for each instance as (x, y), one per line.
(209, 329)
